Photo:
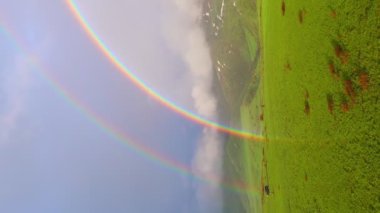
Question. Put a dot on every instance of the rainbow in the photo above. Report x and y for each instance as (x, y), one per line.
(111, 130)
(73, 7)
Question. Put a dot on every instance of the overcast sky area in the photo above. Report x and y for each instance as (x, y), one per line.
(57, 157)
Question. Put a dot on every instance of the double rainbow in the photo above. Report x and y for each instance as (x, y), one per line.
(121, 67)
(113, 131)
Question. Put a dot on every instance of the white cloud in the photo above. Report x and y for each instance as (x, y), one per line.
(208, 164)
(18, 81)
(152, 42)
(185, 36)
(15, 88)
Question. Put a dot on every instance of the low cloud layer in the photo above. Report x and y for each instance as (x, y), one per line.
(186, 36)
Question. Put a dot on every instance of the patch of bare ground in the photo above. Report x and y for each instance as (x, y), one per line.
(364, 80)
(330, 103)
(349, 89)
(333, 70)
(340, 52)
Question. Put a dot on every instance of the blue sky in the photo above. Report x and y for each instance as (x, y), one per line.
(53, 158)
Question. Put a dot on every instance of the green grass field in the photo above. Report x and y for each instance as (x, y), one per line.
(321, 86)
(314, 94)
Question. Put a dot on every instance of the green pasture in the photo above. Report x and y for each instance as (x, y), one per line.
(321, 83)
(313, 94)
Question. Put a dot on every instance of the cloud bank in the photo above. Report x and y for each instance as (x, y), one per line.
(185, 35)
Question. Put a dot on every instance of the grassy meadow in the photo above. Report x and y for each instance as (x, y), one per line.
(321, 82)
(306, 75)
